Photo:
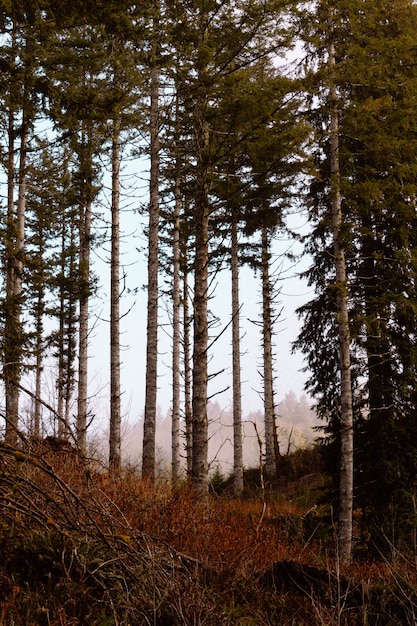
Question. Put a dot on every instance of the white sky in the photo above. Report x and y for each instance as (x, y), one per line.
(133, 329)
(133, 325)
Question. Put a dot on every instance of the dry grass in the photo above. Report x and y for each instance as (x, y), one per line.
(79, 546)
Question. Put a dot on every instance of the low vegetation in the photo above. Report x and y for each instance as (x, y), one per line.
(81, 547)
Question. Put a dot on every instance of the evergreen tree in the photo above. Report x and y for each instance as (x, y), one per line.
(215, 43)
(19, 93)
(149, 425)
(272, 159)
(345, 521)
(375, 79)
(124, 62)
(46, 196)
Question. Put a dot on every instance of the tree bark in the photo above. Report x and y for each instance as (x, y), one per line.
(15, 246)
(200, 378)
(149, 425)
(176, 335)
(115, 416)
(85, 249)
(66, 345)
(201, 262)
(40, 311)
(10, 364)
(237, 386)
(346, 403)
(188, 409)
(61, 336)
(269, 409)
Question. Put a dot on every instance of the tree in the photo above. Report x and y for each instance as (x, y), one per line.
(20, 100)
(123, 84)
(381, 196)
(375, 192)
(115, 416)
(148, 460)
(225, 40)
(237, 385)
(273, 159)
(78, 104)
(65, 283)
(47, 197)
(85, 206)
(271, 445)
(176, 311)
(342, 316)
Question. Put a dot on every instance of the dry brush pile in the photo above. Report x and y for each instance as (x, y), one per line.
(81, 547)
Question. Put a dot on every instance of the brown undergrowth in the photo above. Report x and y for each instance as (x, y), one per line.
(81, 546)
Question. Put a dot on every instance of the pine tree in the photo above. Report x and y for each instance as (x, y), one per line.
(124, 82)
(376, 86)
(47, 193)
(382, 198)
(345, 521)
(236, 349)
(148, 459)
(115, 416)
(272, 152)
(78, 104)
(271, 447)
(219, 41)
(19, 94)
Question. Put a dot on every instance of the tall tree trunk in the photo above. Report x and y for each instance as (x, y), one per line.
(61, 364)
(15, 246)
(71, 326)
(148, 459)
(10, 369)
(85, 249)
(200, 377)
(201, 263)
(176, 335)
(269, 409)
(66, 345)
(237, 386)
(60, 383)
(115, 416)
(39, 355)
(346, 403)
(188, 409)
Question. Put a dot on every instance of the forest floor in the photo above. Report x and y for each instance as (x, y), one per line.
(81, 547)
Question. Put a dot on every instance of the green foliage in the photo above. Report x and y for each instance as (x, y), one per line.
(50, 568)
(217, 480)
(377, 83)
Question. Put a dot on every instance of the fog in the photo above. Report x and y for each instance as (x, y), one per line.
(295, 428)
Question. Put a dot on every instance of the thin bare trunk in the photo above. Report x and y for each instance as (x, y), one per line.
(346, 410)
(200, 379)
(67, 322)
(188, 410)
(237, 386)
(148, 459)
(176, 336)
(115, 416)
(61, 335)
(83, 359)
(83, 329)
(71, 330)
(60, 376)
(201, 262)
(10, 365)
(15, 246)
(39, 362)
(269, 410)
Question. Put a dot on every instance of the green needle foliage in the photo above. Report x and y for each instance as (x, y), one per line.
(376, 78)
